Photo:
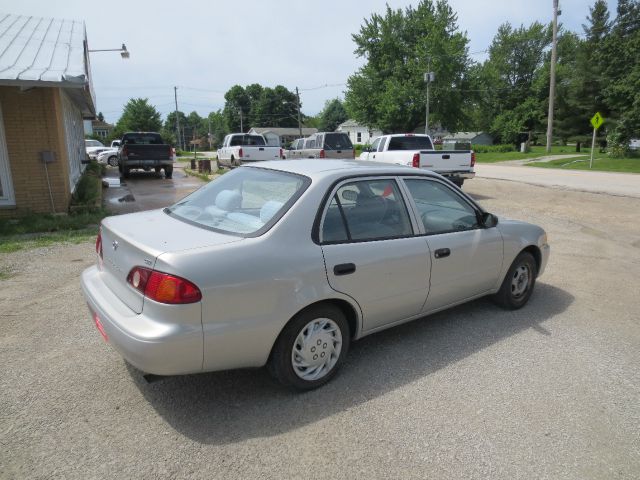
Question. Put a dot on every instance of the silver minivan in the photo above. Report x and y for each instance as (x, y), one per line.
(328, 145)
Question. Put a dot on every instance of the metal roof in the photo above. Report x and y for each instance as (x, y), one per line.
(35, 50)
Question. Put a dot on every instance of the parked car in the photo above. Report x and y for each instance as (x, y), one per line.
(146, 151)
(109, 157)
(238, 148)
(417, 151)
(295, 149)
(93, 148)
(285, 263)
(328, 145)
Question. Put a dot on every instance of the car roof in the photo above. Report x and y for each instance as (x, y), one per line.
(319, 168)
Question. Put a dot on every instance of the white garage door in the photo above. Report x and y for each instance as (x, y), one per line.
(6, 185)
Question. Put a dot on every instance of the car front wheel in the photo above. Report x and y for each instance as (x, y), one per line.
(311, 348)
(518, 284)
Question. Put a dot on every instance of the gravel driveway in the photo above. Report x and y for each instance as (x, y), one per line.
(550, 391)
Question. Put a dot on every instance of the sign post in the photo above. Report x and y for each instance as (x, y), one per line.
(596, 121)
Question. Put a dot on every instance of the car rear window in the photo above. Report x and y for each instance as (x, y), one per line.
(337, 141)
(142, 139)
(247, 140)
(246, 201)
(410, 143)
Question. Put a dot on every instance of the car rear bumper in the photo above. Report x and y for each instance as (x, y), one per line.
(162, 340)
(465, 175)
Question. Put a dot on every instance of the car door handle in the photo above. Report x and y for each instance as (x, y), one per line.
(442, 252)
(446, 157)
(261, 149)
(344, 269)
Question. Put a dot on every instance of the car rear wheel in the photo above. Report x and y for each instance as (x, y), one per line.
(458, 181)
(518, 284)
(113, 161)
(311, 348)
(168, 171)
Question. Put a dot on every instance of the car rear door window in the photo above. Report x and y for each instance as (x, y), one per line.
(440, 208)
(368, 210)
(337, 141)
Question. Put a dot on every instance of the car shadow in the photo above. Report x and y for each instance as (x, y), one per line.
(227, 407)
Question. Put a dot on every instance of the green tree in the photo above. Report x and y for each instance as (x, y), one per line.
(388, 91)
(512, 84)
(260, 106)
(621, 65)
(332, 115)
(138, 115)
(100, 117)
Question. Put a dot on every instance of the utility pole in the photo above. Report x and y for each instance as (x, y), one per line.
(240, 111)
(175, 93)
(298, 105)
(209, 137)
(552, 83)
(428, 77)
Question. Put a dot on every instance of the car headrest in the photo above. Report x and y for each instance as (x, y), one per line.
(269, 209)
(229, 200)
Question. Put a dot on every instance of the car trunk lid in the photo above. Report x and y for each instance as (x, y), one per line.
(138, 239)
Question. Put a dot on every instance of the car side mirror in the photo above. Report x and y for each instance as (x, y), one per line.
(489, 220)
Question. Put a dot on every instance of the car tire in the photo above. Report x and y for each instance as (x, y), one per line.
(113, 161)
(168, 172)
(158, 169)
(518, 283)
(458, 182)
(316, 333)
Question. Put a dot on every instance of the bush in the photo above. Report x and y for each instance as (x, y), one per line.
(87, 196)
(493, 148)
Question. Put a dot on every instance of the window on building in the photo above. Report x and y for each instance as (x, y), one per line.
(359, 137)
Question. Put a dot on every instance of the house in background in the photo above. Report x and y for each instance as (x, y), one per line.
(282, 136)
(474, 138)
(45, 93)
(358, 134)
(101, 129)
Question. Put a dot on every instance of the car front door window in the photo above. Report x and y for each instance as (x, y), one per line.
(440, 209)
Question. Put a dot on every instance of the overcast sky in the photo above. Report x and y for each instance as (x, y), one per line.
(208, 46)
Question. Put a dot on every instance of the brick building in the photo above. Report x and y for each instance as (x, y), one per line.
(45, 92)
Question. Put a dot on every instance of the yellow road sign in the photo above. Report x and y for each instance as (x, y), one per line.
(597, 120)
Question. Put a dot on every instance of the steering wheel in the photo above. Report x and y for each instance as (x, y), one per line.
(190, 211)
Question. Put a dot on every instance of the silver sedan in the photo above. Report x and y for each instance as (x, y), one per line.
(286, 263)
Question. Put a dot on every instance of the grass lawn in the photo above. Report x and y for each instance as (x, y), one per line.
(602, 164)
(40, 230)
(536, 151)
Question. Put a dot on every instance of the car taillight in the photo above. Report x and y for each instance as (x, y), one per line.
(171, 153)
(353, 152)
(99, 243)
(162, 287)
(240, 153)
(125, 151)
(416, 160)
(473, 158)
(322, 153)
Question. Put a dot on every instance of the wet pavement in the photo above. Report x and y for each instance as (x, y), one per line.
(146, 190)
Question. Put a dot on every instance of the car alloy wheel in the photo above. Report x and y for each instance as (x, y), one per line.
(316, 349)
(520, 281)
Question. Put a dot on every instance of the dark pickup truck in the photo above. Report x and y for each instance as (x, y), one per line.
(146, 151)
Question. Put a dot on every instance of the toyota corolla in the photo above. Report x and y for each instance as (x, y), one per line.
(286, 263)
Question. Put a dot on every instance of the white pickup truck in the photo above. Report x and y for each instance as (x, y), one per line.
(243, 147)
(417, 151)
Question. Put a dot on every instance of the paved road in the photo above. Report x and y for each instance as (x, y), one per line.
(621, 184)
(550, 391)
(147, 190)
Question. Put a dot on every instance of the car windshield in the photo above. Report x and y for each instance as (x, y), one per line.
(93, 143)
(247, 140)
(142, 139)
(410, 143)
(337, 141)
(244, 201)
